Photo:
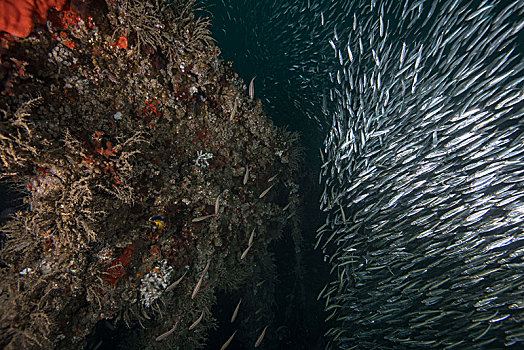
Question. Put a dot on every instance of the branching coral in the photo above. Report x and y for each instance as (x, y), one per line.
(16, 142)
(159, 24)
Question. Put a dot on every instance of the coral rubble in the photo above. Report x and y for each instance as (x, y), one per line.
(141, 159)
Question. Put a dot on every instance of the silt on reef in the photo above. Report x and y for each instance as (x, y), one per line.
(106, 113)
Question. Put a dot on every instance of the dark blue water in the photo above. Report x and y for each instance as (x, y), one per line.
(257, 38)
(260, 40)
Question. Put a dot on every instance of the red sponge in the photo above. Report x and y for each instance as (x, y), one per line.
(16, 16)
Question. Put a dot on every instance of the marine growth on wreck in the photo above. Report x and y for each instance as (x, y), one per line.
(150, 177)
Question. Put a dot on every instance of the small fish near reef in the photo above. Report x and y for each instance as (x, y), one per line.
(261, 337)
(158, 221)
(235, 313)
(168, 333)
(252, 89)
(226, 344)
(197, 287)
(194, 324)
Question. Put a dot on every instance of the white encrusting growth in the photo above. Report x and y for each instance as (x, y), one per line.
(154, 283)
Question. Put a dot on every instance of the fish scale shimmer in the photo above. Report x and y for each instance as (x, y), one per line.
(423, 176)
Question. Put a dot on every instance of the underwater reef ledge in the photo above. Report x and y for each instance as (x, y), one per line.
(151, 180)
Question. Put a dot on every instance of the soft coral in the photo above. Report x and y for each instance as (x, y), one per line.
(16, 16)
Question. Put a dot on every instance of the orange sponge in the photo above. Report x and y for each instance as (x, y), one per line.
(17, 16)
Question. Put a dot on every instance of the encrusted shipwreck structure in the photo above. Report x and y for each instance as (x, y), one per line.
(151, 179)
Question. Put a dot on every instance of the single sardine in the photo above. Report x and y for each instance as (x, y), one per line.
(260, 337)
(235, 313)
(197, 321)
(197, 287)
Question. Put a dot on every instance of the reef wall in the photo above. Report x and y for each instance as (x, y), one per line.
(150, 175)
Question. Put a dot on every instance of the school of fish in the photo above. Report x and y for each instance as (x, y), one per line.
(423, 175)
